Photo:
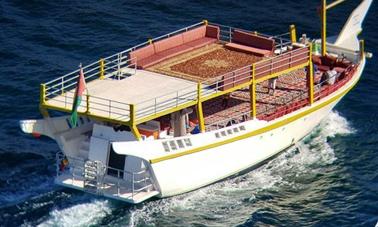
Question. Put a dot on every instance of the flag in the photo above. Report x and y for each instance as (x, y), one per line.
(78, 97)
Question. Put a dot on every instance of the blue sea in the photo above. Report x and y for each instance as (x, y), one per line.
(330, 179)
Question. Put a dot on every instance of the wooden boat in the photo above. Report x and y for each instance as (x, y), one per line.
(194, 106)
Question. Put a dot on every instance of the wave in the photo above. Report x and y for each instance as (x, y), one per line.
(83, 214)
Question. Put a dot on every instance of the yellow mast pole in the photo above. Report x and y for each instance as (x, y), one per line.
(310, 77)
(324, 26)
(252, 90)
(201, 120)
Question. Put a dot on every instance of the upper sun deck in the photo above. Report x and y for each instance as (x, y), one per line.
(175, 71)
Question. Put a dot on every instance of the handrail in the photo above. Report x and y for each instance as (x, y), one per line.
(111, 67)
(136, 186)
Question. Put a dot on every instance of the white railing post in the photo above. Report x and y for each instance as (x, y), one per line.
(119, 66)
(62, 85)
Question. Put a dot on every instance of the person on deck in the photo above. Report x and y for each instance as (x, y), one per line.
(331, 76)
(225, 100)
(272, 85)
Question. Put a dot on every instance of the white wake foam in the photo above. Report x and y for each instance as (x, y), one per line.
(221, 200)
(84, 214)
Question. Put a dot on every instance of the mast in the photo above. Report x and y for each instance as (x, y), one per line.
(324, 9)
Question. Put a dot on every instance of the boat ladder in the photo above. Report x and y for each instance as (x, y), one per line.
(94, 172)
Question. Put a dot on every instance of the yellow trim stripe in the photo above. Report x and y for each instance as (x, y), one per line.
(256, 132)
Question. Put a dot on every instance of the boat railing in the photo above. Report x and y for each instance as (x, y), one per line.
(125, 181)
(227, 80)
(289, 104)
(224, 82)
(226, 32)
(233, 120)
(140, 181)
(321, 91)
(119, 66)
(111, 67)
(192, 94)
(281, 63)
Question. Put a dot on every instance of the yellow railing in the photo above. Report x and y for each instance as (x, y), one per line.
(58, 94)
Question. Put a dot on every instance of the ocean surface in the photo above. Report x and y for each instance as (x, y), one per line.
(331, 179)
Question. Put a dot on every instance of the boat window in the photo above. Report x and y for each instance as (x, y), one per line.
(217, 135)
(236, 130)
(173, 145)
(229, 131)
(223, 133)
(180, 143)
(188, 142)
(242, 128)
(166, 147)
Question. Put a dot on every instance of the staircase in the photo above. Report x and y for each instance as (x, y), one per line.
(93, 175)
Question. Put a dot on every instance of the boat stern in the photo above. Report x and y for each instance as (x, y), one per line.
(96, 178)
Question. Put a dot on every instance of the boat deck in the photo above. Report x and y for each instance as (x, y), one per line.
(107, 189)
(111, 98)
(290, 88)
(205, 63)
(157, 78)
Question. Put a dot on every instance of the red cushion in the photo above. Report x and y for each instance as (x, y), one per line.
(252, 40)
(316, 60)
(168, 43)
(212, 31)
(196, 33)
(142, 53)
(150, 61)
(323, 68)
(174, 51)
(339, 69)
(201, 42)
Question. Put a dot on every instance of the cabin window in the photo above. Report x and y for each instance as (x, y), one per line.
(236, 130)
(223, 133)
(217, 135)
(166, 147)
(242, 128)
(229, 131)
(173, 145)
(188, 142)
(180, 143)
